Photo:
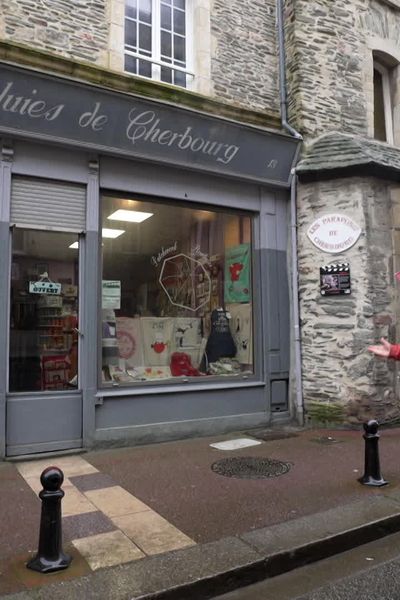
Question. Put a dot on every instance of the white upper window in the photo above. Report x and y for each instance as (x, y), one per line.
(156, 40)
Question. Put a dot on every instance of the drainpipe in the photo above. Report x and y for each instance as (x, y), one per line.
(282, 71)
(295, 302)
(299, 404)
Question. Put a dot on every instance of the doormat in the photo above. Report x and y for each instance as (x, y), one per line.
(269, 436)
(250, 467)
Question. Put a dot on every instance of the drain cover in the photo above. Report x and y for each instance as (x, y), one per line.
(250, 467)
(326, 440)
(269, 436)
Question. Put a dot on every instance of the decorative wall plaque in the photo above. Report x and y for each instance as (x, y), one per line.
(334, 233)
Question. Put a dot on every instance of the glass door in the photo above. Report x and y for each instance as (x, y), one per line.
(44, 311)
(44, 402)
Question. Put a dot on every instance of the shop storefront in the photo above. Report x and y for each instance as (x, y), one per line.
(144, 293)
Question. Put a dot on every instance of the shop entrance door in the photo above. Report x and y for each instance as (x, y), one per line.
(44, 399)
(44, 404)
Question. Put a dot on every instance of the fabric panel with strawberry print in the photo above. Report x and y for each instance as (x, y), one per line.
(237, 273)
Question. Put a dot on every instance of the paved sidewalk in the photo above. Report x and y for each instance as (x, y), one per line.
(158, 522)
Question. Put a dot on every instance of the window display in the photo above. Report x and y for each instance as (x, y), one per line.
(176, 291)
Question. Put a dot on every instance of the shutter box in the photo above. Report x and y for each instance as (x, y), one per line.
(50, 205)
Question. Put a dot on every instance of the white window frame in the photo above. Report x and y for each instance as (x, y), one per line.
(155, 58)
(387, 100)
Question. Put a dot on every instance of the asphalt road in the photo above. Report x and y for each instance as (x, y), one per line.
(370, 572)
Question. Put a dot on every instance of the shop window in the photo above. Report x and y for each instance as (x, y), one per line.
(44, 311)
(156, 40)
(383, 105)
(176, 292)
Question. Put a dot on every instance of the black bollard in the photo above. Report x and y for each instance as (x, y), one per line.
(50, 556)
(372, 473)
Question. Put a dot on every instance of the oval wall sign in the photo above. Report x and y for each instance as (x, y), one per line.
(334, 233)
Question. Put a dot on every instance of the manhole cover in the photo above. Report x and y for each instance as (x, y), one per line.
(250, 467)
(326, 440)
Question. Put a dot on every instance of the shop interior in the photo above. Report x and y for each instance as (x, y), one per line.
(177, 297)
(43, 311)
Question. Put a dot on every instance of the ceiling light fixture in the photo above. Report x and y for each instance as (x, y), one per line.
(105, 233)
(111, 233)
(132, 216)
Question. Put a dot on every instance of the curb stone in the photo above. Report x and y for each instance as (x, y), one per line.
(206, 570)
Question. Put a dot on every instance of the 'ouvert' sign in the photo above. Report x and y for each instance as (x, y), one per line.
(46, 107)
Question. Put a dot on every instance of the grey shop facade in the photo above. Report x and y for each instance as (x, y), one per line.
(144, 290)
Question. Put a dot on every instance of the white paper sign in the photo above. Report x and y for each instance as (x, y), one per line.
(111, 294)
(334, 233)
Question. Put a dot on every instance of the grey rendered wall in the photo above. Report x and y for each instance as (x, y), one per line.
(276, 300)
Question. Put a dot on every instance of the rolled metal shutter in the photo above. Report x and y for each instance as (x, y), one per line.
(46, 204)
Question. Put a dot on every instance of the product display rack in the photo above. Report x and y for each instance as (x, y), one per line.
(55, 342)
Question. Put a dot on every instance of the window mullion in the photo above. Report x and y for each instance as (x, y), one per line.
(155, 37)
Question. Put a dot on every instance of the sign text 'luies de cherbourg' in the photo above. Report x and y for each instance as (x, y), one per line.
(39, 106)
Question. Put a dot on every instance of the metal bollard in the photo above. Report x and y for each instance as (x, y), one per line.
(372, 473)
(50, 556)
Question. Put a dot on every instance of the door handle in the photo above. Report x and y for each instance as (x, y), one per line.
(78, 331)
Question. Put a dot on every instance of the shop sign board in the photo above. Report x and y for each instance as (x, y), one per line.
(111, 294)
(57, 109)
(44, 287)
(334, 233)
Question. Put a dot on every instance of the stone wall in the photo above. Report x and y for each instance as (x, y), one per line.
(244, 65)
(74, 28)
(325, 54)
(330, 48)
(234, 49)
(337, 330)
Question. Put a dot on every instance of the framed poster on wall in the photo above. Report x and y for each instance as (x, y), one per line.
(335, 279)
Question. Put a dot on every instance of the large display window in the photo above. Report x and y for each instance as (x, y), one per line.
(176, 291)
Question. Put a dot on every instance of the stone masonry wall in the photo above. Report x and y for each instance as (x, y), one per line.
(234, 46)
(74, 28)
(337, 330)
(325, 54)
(329, 52)
(244, 65)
